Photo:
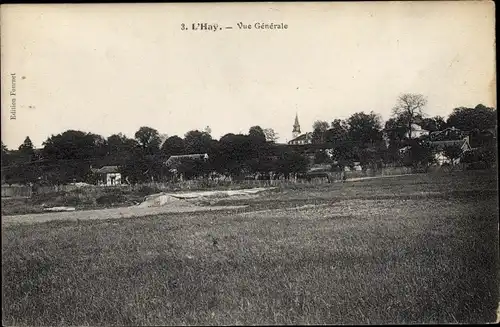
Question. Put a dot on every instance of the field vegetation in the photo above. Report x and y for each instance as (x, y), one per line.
(412, 249)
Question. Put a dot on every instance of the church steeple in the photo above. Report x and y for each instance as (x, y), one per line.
(296, 127)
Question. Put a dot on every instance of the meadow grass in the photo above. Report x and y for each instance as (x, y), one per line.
(415, 249)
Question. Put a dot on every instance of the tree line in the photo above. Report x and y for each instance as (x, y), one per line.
(363, 138)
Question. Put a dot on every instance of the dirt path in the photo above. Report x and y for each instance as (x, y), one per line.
(112, 213)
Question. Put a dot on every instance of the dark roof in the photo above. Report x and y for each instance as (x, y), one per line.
(180, 158)
(442, 144)
(319, 168)
(450, 132)
(107, 170)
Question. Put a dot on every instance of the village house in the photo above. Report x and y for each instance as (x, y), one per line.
(108, 176)
(440, 147)
(302, 139)
(176, 163)
(297, 137)
(416, 132)
(450, 133)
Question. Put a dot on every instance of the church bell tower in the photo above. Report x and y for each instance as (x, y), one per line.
(296, 127)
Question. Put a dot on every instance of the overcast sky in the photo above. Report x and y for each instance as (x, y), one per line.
(114, 68)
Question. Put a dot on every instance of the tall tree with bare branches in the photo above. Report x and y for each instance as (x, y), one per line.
(409, 107)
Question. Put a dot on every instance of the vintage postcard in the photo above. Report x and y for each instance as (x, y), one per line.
(249, 163)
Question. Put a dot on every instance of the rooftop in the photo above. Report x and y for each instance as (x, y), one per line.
(107, 170)
(179, 158)
(442, 144)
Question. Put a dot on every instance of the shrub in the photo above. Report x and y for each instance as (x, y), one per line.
(78, 199)
(145, 190)
(112, 190)
(111, 198)
(40, 198)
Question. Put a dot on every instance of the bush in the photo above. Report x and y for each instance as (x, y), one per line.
(478, 165)
(110, 199)
(115, 190)
(148, 190)
(41, 198)
(78, 199)
(480, 158)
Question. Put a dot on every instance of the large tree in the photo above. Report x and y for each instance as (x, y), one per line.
(419, 155)
(337, 132)
(6, 161)
(290, 163)
(258, 152)
(364, 129)
(410, 108)
(5, 153)
(433, 124)
(336, 137)
(100, 146)
(395, 134)
(70, 145)
(452, 152)
(120, 148)
(149, 139)
(478, 138)
(25, 169)
(257, 134)
(71, 153)
(145, 162)
(271, 135)
(197, 142)
(395, 130)
(163, 137)
(236, 154)
(468, 119)
(120, 144)
(319, 130)
(142, 167)
(172, 146)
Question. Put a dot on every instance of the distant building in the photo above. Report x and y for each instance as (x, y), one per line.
(297, 137)
(108, 176)
(174, 162)
(440, 147)
(416, 131)
(450, 133)
(302, 139)
(296, 127)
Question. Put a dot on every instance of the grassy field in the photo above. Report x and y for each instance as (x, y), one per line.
(412, 249)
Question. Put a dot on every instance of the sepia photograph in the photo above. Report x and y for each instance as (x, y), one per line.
(267, 163)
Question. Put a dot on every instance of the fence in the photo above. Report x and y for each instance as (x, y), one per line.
(15, 191)
(57, 188)
(27, 191)
(20, 191)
